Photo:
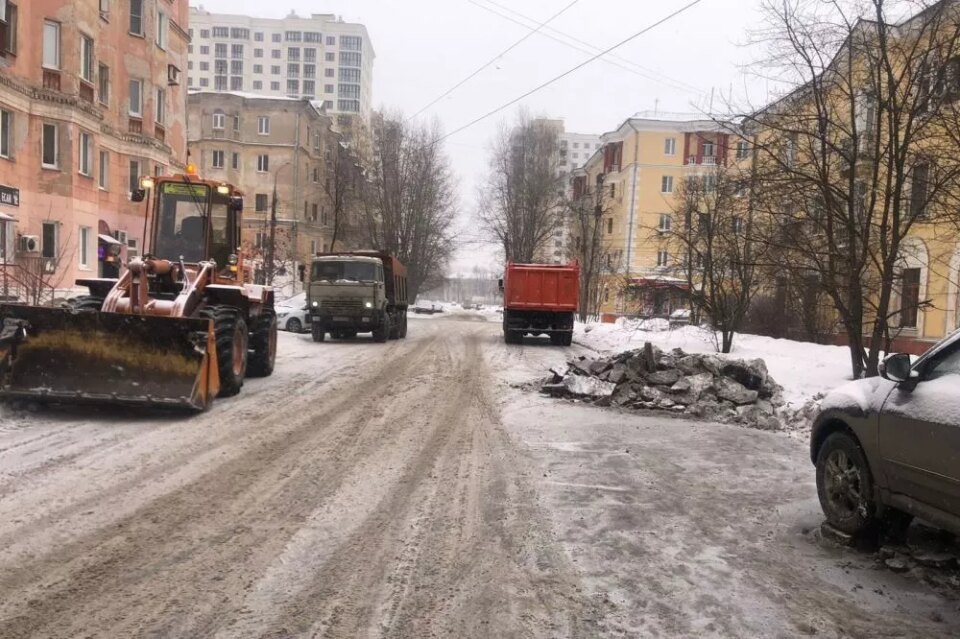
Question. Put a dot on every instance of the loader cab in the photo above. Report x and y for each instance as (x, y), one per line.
(196, 221)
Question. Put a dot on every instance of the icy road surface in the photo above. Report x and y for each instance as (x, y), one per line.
(406, 490)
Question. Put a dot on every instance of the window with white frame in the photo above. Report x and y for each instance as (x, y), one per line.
(134, 173)
(162, 29)
(263, 163)
(260, 202)
(84, 246)
(737, 225)
(86, 58)
(219, 121)
(103, 78)
(51, 45)
(666, 184)
(103, 180)
(709, 150)
(670, 146)
(235, 162)
(666, 223)
(136, 98)
(136, 17)
(50, 158)
(48, 240)
(743, 150)
(85, 159)
(218, 159)
(263, 125)
(663, 258)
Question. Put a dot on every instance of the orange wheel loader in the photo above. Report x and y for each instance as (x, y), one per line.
(183, 323)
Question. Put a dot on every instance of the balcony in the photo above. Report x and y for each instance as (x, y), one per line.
(135, 126)
(701, 160)
(51, 80)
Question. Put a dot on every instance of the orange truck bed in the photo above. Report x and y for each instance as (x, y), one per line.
(542, 287)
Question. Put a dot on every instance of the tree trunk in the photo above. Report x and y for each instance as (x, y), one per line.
(727, 341)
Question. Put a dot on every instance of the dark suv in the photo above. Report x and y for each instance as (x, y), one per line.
(889, 446)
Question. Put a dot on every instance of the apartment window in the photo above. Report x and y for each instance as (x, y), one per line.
(261, 202)
(236, 51)
(351, 43)
(235, 161)
(162, 27)
(276, 54)
(309, 70)
(709, 150)
(309, 87)
(331, 41)
(239, 34)
(135, 107)
(670, 146)
(350, 75)
(263, 125)
(6, 122)
(276, 37)
(330, 56)
(316, 175)
(909, 297)
(315, 212)
(85, 157)
(204, 82)
(919, 189)
(258, 36)
(220, 67)
(258, 53)
(293, 87)
(709, 183)
(86, 58)
(610, 226)
(292, 36)
(219, 122)
(350, 106)
(257, 85)
(743, 149)
(236, 67)
(663, 258)
(293, 54)
(293, 70)
(309, 55)
(263, 163)
(350, 59)
(51, 146)
(84, 246)
(221, 32)
(204, 33)
(737, 225)
(220, 50)
(329, 73)
(218, 157)
(353, 91)
(51, 45)
(666, 223)
(236, 123)
(312, 36)
(274, 86)
(103, 180)
(48, 240)
(8, 30)
(236, 84)
(204, 50)
(275, 70)
(136, 17)
(161, 103)
(220, 83)
(666, 184)
(328, 88)
(328, 104)
(134, 183)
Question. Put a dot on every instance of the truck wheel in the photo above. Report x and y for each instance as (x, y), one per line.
(395, 327)
(382, 332)
(403, 325)
(230, 331)
(87, 303)
(317, 331)
(556, 339)
(263, 344)
(567, 339)
(845, 485)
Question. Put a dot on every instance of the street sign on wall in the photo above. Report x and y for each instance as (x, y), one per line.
(9, 196)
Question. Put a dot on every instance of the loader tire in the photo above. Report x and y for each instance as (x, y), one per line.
(232, 339)
(87, 303)
(263, 344)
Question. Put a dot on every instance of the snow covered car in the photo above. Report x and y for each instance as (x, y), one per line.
(888, 448)
(292, 314)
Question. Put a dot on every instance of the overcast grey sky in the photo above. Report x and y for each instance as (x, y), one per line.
(424, 47)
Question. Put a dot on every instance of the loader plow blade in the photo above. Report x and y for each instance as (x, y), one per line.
(61, 355)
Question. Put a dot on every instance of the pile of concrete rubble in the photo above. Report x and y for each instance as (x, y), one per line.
(702, 386)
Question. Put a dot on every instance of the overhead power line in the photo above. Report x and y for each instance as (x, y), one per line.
(540, 87)
(615, 60)
(495, 58)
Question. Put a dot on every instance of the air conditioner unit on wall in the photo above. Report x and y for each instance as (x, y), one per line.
(29, 243)
(173, 75)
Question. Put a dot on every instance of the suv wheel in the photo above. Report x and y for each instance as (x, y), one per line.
(844, 484)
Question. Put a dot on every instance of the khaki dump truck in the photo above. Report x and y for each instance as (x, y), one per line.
(357, 292)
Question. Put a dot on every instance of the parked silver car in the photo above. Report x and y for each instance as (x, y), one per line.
(889, 447)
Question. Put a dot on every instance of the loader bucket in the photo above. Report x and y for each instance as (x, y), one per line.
(62, 355)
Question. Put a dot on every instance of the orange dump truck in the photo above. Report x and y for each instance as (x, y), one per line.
(540, 299)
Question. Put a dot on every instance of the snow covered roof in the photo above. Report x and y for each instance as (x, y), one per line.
(249, 96)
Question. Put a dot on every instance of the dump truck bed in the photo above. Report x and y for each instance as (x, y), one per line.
(541, 287)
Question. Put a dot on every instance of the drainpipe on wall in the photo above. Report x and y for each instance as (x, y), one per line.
(633, 201)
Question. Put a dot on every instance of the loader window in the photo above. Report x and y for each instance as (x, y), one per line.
(223, 222)
(182, 223)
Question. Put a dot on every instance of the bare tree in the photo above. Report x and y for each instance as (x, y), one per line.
(409, 201)
(520, 201)
(860, 155)
(585, 213)
(342, 185)
(711, 228)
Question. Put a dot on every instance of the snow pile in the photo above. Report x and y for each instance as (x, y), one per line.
(704, 386)
(804, 369)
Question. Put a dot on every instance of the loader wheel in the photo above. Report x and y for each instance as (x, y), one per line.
(87, 303)
(232, 340)
(263, 344)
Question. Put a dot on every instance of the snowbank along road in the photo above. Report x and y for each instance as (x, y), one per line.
(406, 490)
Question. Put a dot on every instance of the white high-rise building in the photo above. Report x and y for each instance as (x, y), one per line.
(321, 58)
(575, 150)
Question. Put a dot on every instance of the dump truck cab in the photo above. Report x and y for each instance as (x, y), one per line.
(357, 292)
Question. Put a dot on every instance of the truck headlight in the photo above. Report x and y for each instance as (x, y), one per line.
(368, 304)
(316, 304)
